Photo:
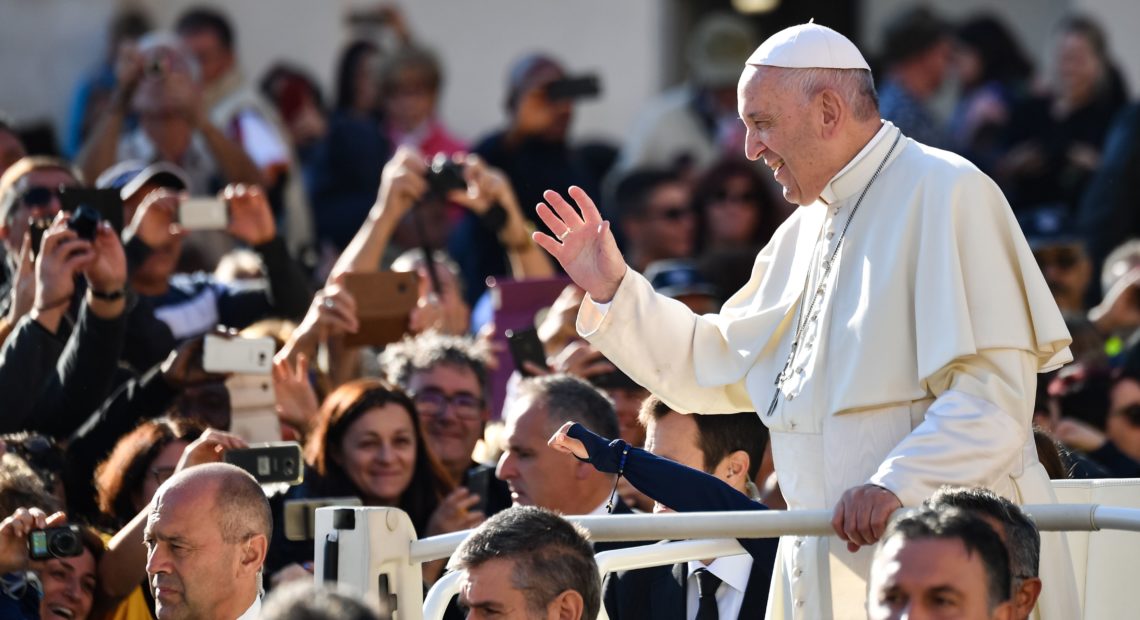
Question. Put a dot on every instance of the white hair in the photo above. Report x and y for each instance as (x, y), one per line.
(854, 86)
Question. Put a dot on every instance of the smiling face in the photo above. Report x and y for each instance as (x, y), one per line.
(781, 130)
(378, 453)
(69, 587)
(449, 401)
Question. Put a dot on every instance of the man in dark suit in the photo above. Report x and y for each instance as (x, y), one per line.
(729, 447)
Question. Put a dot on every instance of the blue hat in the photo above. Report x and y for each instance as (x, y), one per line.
(129, 176)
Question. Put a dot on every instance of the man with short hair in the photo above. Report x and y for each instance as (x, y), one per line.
(246, 117)
(729, 447)
(206, 539)
(943, 563)
(890, 334)
(539, 476)
(656, 219)
(447, 379)
(527, 562)
(1016, 530)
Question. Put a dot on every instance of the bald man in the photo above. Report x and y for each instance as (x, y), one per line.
(206, 539)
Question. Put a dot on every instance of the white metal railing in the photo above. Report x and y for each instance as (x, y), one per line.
(402, 553)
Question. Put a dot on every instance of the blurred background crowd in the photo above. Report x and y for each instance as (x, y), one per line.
(390, 160)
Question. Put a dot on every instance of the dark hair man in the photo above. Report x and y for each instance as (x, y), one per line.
(1016, 530)
(447, 379)
(729, 447)
(526, 562)
(657, 221)
(542, 477)
(940, 563)
(206, 539)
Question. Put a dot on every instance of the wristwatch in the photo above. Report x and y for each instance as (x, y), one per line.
(109, 295)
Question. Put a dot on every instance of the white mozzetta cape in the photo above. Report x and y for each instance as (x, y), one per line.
(917, 368)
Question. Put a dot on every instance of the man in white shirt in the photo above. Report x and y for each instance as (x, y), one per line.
(206, 540)
(899, 314)
(729, 447)
(539, 476)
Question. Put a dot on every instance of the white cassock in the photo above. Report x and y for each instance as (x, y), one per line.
(917, 367)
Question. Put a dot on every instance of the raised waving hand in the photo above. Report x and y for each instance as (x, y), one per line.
(584, 246)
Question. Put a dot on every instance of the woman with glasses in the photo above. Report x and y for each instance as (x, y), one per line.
(367, 443)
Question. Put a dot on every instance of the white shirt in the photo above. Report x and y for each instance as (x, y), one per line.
(733, 571)
(254, 611)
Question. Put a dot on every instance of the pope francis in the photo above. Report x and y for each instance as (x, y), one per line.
(890, 334)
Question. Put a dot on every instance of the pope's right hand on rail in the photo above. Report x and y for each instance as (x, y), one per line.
(584, 246)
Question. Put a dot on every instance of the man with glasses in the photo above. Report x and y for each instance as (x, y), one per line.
(447, 377)
(656, 217)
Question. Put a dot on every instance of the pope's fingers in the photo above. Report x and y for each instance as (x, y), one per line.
(838, 518)
(552, 221)
(589, 210)
(569, 215)
(548, 243)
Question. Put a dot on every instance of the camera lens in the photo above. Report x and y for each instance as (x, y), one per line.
(64, 543)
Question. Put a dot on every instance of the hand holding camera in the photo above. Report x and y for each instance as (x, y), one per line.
(107, 272)
(209, 448)
(24, 282)
(403, 182)
(250, 217)
(155, 220)
(130, 67)
(30, 531)
(62, 254)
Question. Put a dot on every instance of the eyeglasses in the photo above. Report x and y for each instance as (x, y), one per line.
(433, 402)
(161, 474)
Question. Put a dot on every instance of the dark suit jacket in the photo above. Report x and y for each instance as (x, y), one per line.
(658, 593)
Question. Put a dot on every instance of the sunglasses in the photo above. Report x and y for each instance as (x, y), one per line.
(38, 197)
(1063, 258)
(722, 196)
(673, 214)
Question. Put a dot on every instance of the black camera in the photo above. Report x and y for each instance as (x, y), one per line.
(84, 221)
(444, 176)
(55, 542)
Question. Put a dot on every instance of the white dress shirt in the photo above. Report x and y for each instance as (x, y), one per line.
(733, 571)
(254, 611)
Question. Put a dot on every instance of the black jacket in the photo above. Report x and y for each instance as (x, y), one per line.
(658, 593)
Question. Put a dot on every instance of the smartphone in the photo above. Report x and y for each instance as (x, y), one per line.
(272, 462)
(384, 304)
(37, 228)
(108, 203)
(526, 347)
(581, 87)
(250, 356)
(203, 213)
(301, 515)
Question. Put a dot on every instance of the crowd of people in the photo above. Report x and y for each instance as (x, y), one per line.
(123, 423)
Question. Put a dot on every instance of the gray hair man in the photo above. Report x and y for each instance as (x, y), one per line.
(206, 540)
(539, 476)
(526, 562)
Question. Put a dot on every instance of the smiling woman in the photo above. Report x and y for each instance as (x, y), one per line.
(69, 583)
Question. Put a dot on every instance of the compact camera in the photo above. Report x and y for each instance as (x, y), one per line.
(55, 542)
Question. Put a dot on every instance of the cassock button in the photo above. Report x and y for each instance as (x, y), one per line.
(798, 572)
(799, 603)
(799, 542)
(831, 234)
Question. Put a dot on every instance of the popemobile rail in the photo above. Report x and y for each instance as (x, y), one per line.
(375, 552)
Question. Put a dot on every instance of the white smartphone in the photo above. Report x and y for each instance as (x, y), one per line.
(251, 356)
(203, 213)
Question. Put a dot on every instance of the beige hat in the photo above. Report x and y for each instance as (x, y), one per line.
(808, 46)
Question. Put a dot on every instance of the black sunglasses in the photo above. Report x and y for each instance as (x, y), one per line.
(38, 197)
(724, 196)
(673, 214)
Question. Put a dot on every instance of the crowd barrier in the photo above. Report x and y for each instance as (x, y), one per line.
(375, 551)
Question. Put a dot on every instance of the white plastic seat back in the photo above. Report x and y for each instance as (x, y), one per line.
(1104, 562)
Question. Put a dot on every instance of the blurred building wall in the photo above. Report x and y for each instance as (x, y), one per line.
(1121, 20)
(45, 45)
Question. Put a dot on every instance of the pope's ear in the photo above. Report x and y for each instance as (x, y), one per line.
(832, 109)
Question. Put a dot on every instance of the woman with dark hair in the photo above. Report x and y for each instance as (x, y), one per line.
(297, 98)
(736, 216)
(1055, 141)
(345, 173)
(368, 444)
(993, 74)
(141, 461)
